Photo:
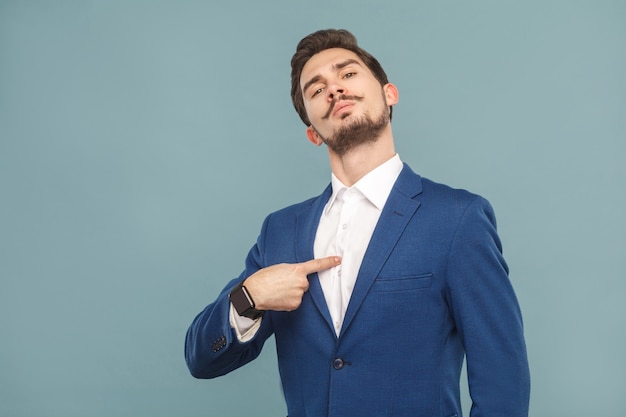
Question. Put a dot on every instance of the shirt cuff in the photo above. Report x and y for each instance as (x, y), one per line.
(245, 328)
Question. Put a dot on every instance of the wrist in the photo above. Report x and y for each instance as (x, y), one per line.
(243, 302)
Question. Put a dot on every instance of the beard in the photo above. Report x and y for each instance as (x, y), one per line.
(362, 130)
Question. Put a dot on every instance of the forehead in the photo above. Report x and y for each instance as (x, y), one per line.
(324, 61)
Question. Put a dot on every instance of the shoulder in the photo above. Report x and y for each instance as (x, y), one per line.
(436, 194)
(443, 206)
(291, 213)
(304, 206)
(447, 194)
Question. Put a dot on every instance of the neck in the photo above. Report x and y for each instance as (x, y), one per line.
(357, 162)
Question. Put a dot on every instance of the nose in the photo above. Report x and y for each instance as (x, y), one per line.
(335, 90)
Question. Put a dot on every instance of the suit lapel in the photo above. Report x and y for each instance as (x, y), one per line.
(398, 211)
(306, 228)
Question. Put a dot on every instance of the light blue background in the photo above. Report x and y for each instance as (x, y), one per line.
(142, 144)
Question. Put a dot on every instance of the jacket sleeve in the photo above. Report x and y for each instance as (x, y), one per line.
(211, 345)
(487, 316)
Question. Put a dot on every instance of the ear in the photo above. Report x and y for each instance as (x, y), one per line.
(313, 137)
(391, 94)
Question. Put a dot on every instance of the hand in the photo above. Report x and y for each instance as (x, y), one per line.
(281, 287)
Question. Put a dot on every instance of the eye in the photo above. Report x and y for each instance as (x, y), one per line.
(349, 75)
(317, 92)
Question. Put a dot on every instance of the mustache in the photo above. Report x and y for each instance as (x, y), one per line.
(335, 100)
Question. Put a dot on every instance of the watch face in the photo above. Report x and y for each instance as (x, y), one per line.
(244, 291)
(241, 300)
(243, 303)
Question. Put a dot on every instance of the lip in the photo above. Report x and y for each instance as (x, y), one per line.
(341, 106)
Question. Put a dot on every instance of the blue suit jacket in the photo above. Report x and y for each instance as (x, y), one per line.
(433, 287)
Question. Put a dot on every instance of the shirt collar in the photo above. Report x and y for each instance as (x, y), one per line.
(376, 185)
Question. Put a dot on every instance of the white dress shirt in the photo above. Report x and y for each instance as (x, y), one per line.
(345, 230)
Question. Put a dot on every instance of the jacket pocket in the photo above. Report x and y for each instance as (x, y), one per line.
(410, 283)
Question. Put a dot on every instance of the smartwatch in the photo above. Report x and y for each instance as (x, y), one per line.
(243, 303)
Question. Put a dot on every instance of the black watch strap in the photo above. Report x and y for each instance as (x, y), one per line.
(243, 302)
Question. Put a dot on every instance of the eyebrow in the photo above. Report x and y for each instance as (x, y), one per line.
(335, 67)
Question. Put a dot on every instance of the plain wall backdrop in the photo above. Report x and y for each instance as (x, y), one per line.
(143, 142)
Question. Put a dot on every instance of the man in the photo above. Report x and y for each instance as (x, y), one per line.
(376, 289)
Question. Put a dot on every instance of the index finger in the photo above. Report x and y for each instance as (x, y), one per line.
(316, 265)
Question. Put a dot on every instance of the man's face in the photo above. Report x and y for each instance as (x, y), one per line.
(345, 103)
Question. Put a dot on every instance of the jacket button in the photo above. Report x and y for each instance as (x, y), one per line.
(338, 363)
(218, 344)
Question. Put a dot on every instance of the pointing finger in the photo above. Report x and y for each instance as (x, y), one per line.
(316, 265)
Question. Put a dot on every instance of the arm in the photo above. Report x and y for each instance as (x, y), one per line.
(488, 317)
(212, 347)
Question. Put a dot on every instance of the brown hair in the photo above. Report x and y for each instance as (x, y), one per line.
(318, 42)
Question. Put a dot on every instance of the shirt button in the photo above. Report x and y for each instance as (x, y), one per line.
(344, 226)
(338, 363)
